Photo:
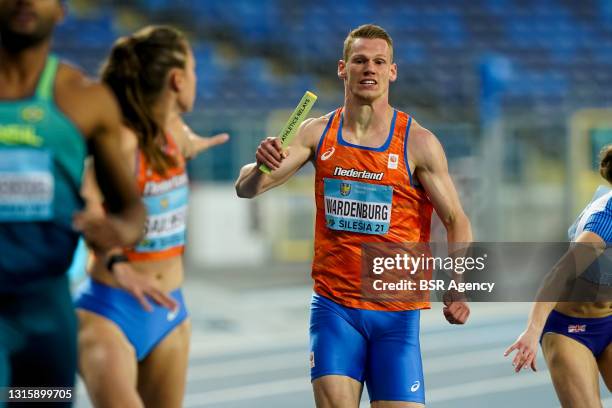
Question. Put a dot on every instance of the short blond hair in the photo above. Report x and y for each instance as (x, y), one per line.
(371, 31)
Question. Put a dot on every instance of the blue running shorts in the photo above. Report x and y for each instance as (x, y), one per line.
(143, 329)
(594, 332)
(379, 348)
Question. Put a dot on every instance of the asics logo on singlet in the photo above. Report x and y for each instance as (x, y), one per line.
(415, 386)
(328, 153)
(359, 174)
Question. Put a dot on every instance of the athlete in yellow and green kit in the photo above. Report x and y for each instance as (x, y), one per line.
(51, 116)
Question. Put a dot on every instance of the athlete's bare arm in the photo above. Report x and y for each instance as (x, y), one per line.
(94, 199)
(575, 261)
(252, 182)
(431, 168)
(189, 142)
(76, 96)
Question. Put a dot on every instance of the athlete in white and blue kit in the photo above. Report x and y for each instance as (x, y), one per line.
(576, 337)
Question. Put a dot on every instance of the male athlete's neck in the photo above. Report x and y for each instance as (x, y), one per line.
(23, 67)
(366, 119)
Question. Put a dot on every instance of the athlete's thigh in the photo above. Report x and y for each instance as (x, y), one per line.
(107, 362)
(337, 355)
(573, 370)
(394, 374)
(605, 366)
(337, 391)
(162, 374)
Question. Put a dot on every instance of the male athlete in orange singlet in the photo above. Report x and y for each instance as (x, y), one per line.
(373, 154)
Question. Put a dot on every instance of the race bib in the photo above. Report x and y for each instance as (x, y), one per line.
(357, 207)
(166, 221)
(26, 185)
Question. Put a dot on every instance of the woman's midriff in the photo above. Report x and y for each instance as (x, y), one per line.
(585, 309)
(166, 274)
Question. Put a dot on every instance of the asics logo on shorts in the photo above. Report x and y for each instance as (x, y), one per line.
(415, 386)
(328, 153)
(172, 314)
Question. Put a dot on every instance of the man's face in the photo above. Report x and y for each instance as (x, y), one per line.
(27, 23)
(369, 69)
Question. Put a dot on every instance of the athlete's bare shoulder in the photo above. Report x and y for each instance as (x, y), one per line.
(90, 105)
(129, 140)
(128, 145)
(421, 134)
(423, 146)
(312, 129)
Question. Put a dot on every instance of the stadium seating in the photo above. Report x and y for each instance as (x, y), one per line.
(265, 53)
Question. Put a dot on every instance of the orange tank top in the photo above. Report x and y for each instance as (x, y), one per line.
(165, 197)
(364, 195)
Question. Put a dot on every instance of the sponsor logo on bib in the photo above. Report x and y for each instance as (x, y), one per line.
(345, 189)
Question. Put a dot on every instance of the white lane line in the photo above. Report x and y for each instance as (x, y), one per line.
(296, 360)
(247, 392)
(491, 386)
(204, 371)
(294, 330)
(301, 384)
(466, 337)
(473, 359)
(227, 345)
(215, 346)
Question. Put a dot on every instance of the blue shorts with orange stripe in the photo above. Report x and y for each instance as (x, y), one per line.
(376, 347)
